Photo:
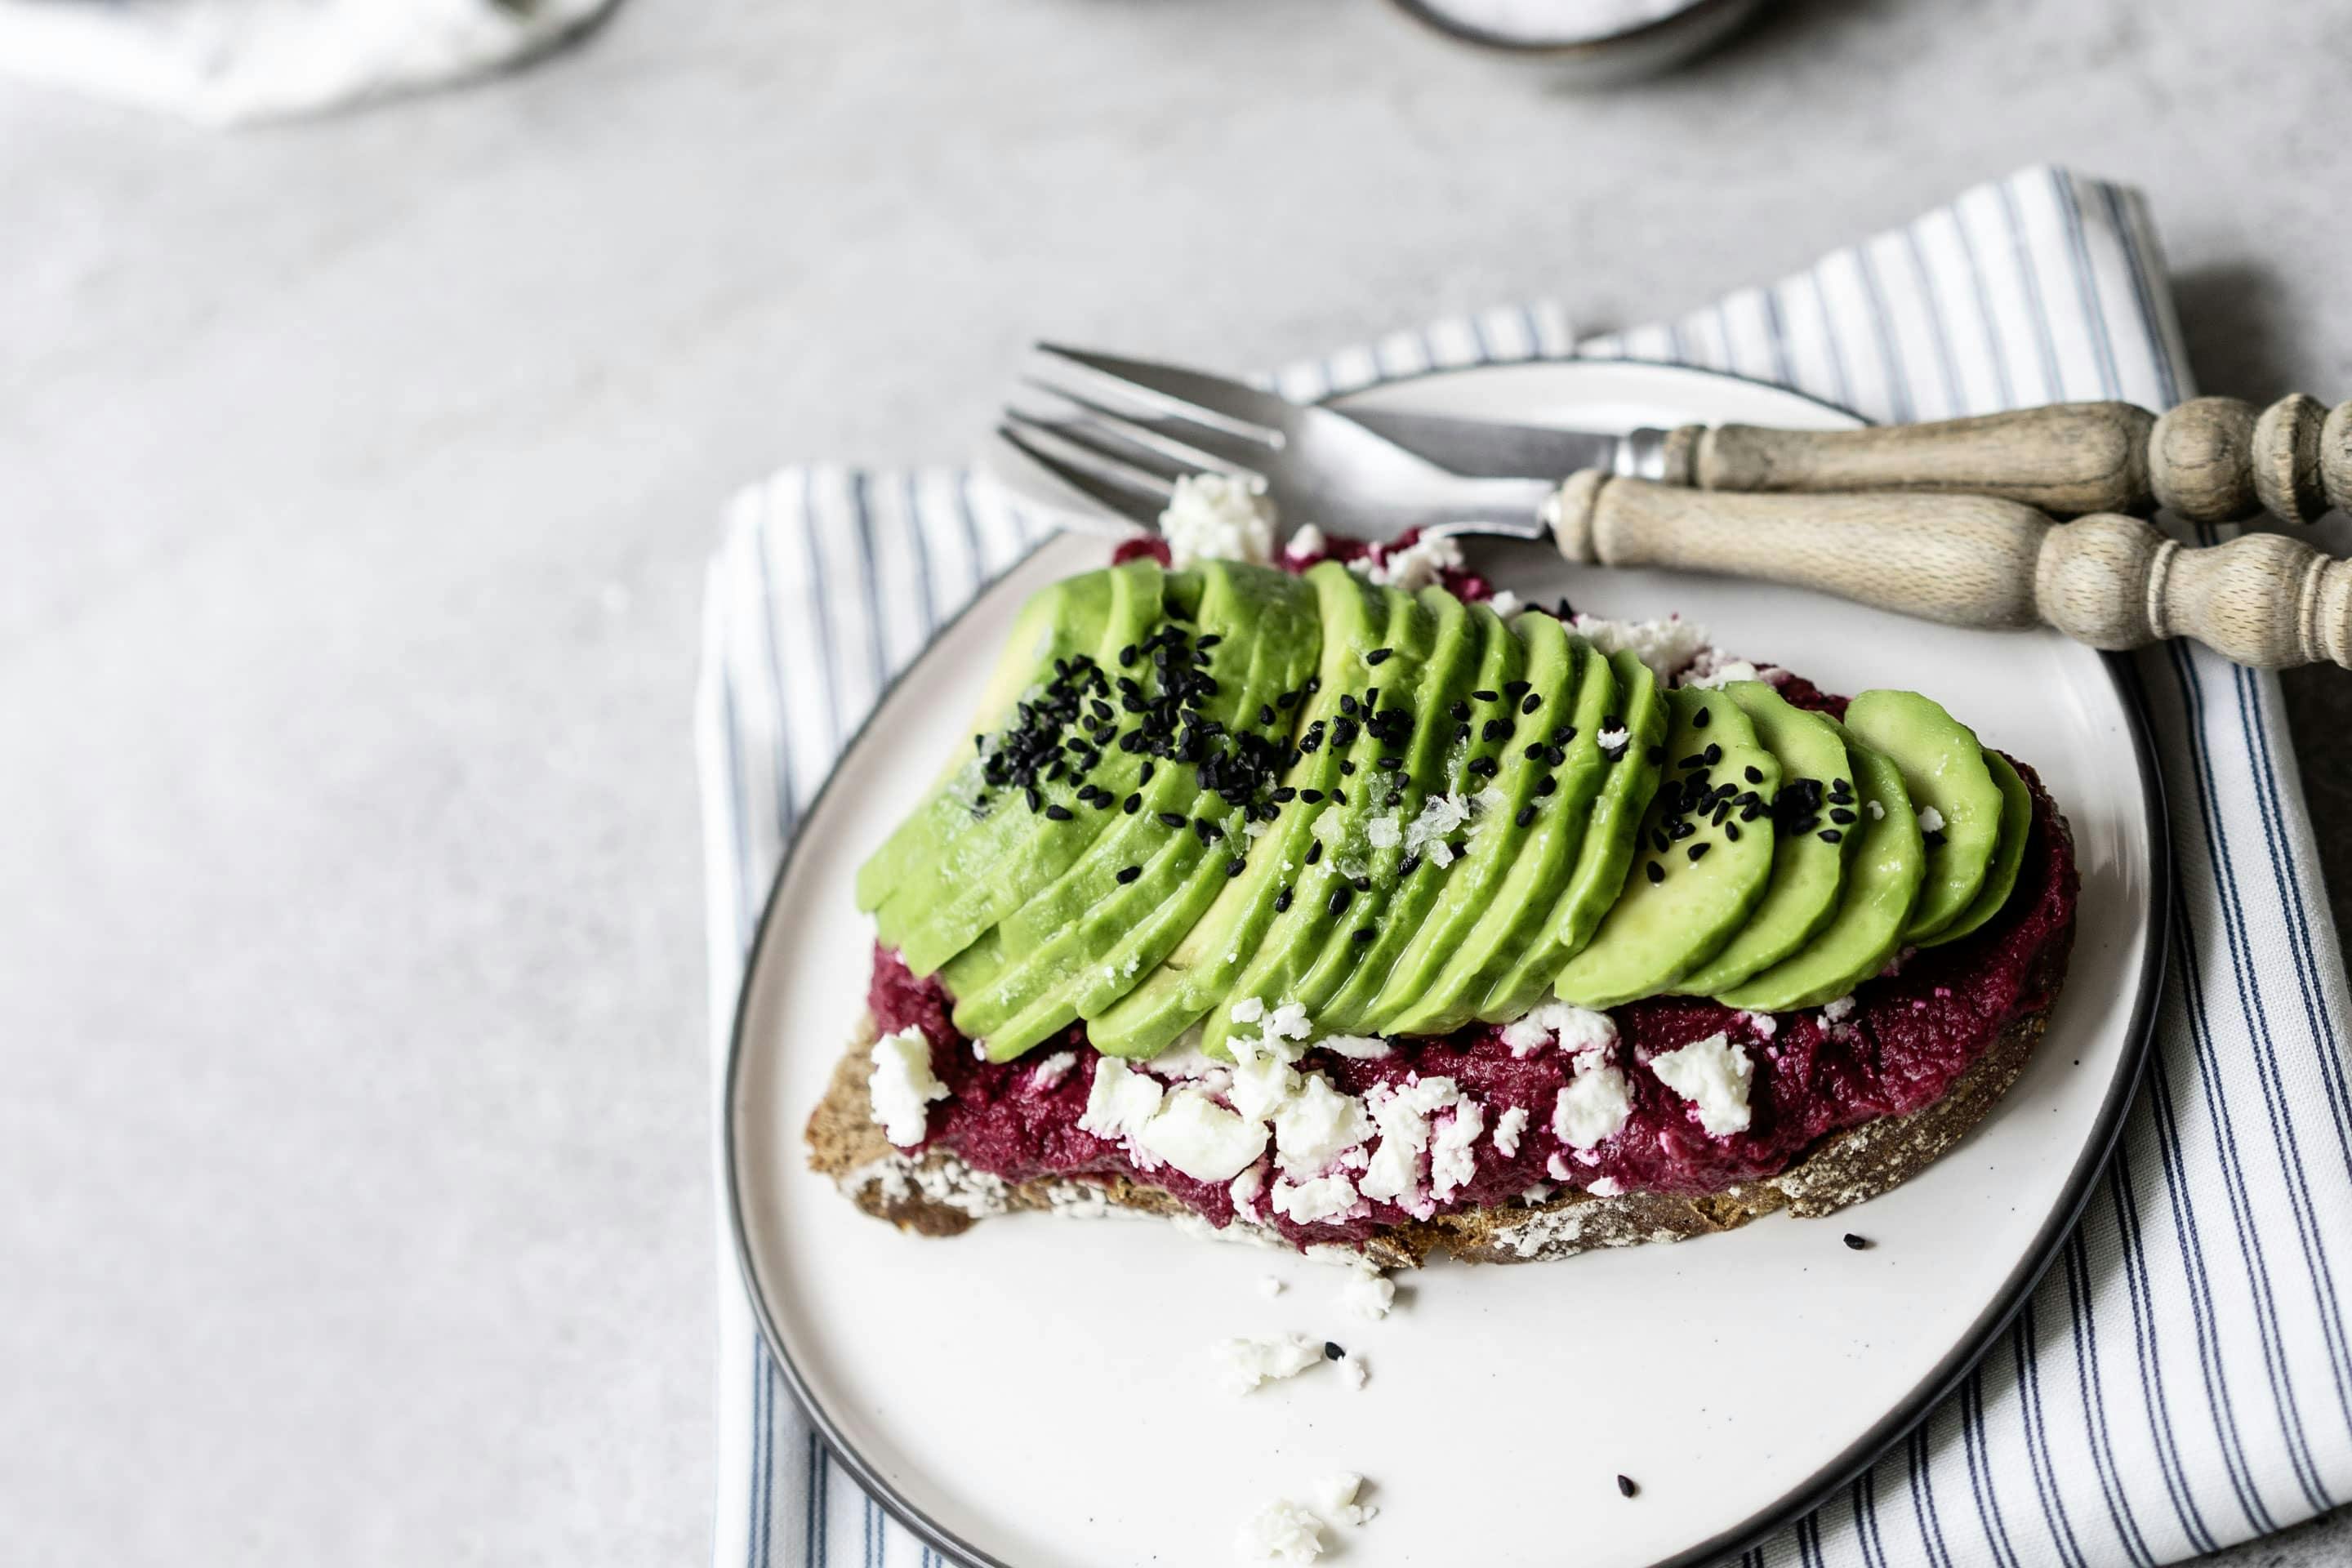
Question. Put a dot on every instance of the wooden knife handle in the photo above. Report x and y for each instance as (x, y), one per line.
(2212, 459)
(2110, 581)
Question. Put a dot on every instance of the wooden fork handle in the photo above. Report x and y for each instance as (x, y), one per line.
(2212, 459)
(2110, 581)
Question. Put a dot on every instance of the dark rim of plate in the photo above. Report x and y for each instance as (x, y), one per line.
(1906, 1413)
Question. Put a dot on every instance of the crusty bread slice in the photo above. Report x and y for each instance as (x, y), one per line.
(935, 1194)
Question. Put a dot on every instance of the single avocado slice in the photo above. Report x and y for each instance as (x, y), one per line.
(1944, 769)
(1424, 993)
(1537, 878)
(1705, 853)
(2016, 826)
(1201, 971)
(1337, 856)
(1808, 868)
(1634, 764)
(1431, 762)
(1261, 629)
(1447, 722)
(1024, 838)
(1881, 884)
(1058, 621)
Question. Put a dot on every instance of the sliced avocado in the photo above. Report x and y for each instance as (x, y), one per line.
(1539, 876)
(1200, 972)
(1944, 770)
(1022, 839)
(1421, 883)
(1706, 852)
(1262, 630)
(1428, 989)
(1058, 621)
(2016, 826)
(1431, 762)
(1337, 860)
(1881, 884)
(1808, 868)
(1598, 874)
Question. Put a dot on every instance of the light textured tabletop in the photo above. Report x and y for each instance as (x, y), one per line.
(356, 480)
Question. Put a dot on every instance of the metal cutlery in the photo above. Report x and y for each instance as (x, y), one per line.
(1929, 520)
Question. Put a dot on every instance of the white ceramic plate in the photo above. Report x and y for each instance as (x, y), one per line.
(1037, 1392)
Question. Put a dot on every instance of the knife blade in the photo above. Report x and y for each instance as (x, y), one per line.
(1490, 450)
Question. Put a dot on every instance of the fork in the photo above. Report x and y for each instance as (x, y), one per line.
(1127, 431)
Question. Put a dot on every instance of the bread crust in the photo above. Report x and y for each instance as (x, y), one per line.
(933, 1192)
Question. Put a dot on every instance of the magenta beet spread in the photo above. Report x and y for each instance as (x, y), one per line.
(1910, 1036)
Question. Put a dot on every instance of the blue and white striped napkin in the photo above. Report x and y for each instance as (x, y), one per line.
(2183, 1378)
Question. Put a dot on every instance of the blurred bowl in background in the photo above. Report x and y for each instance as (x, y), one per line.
(1588, 43)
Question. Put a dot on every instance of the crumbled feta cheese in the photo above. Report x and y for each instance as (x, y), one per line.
(1325, 1197)
(1357, 1048)
(1201, 1138)
(1414, 567)
(1335, 1499)
(1930, 820)
(1316, 1123)
(1402, 1117)
(1281, 1531)
(1838, 1009)
(1269, 1286)
(1505, 604)
(1763, 1024)
(1369, 1293)
(1353, 1370)
(1611, 739)
(1248, 1362)
(1507, 1128)
(1664, 646)
(1383, 832)
(1261, 1082)
(1605, 1187)
(1538, 1193)
(1186, 1059)
(1121, 1100)
(1712, 1074)
(1308, 541)
(1288, 1022)
(1577, 1030)
(902, 1087)
(1451, 1159)
(1054, 1069)
(1248, 1010)
(1218, 516)
(1557, 1166)
(1723, 672)
(1246, 1190)
(1591, 1106)
(1877, 811)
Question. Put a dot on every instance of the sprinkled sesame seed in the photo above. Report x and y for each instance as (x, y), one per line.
(1129, 873)
(1527, 815)
(1282, 901)
(1699, 849)
(1379, 656)
(1655, 872)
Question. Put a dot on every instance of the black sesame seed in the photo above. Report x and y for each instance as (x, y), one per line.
(1698, 850)
(1057, 813)
(1714, 755)
(1127, 653)
(1315, 852)
(1546, 784)
(1655, 872)
(1702, 719)
(1284, 795)
(1172, 819)
(1831, 836)
(1658, 839)
(1235, 866)
(1731, 831)
(1131, 805)
(1211, 640)
(1482, 695)
(1340, 796)
(1695, 760)
(1535, 751)
(1527, 815)
(1379, 656)
(1282, 901)
(1408, 866)
(1347, 767)
(1653, 755)
(1935, 840)
(1036, 801)
(1462, 731)
(1485, 767)
(1553, 756)
(1389, 765)
(1530, 702)
(1129, 873)
(1339, 899)
(1493, 729)
(1841, 815)
(1265, 713)
(1625, 1486)
(1310, 795)
(1346, 703)
(1361, 884)
(1331, 1351)
(1856, 1243)
(1362, 933)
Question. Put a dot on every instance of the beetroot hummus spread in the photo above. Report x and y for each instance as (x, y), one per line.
(1909, 1035)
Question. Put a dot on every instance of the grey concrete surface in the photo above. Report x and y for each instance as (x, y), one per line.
(356, 479)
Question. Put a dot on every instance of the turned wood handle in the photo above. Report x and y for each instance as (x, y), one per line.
(2110, 581)
(2212, 459)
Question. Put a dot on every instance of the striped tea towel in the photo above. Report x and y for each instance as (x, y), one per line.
(2182, 1380)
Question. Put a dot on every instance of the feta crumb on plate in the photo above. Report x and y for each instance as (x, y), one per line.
(1247, 1363)
(1369, 1293)
(902, 1087)
(1281, 1532)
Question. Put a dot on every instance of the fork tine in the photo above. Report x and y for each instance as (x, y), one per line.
(1194, 395)
(1105, 441)
(1130, 492)
(1188, 446)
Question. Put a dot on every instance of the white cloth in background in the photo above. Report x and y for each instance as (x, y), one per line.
(226, 62)
(2182, 1379)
